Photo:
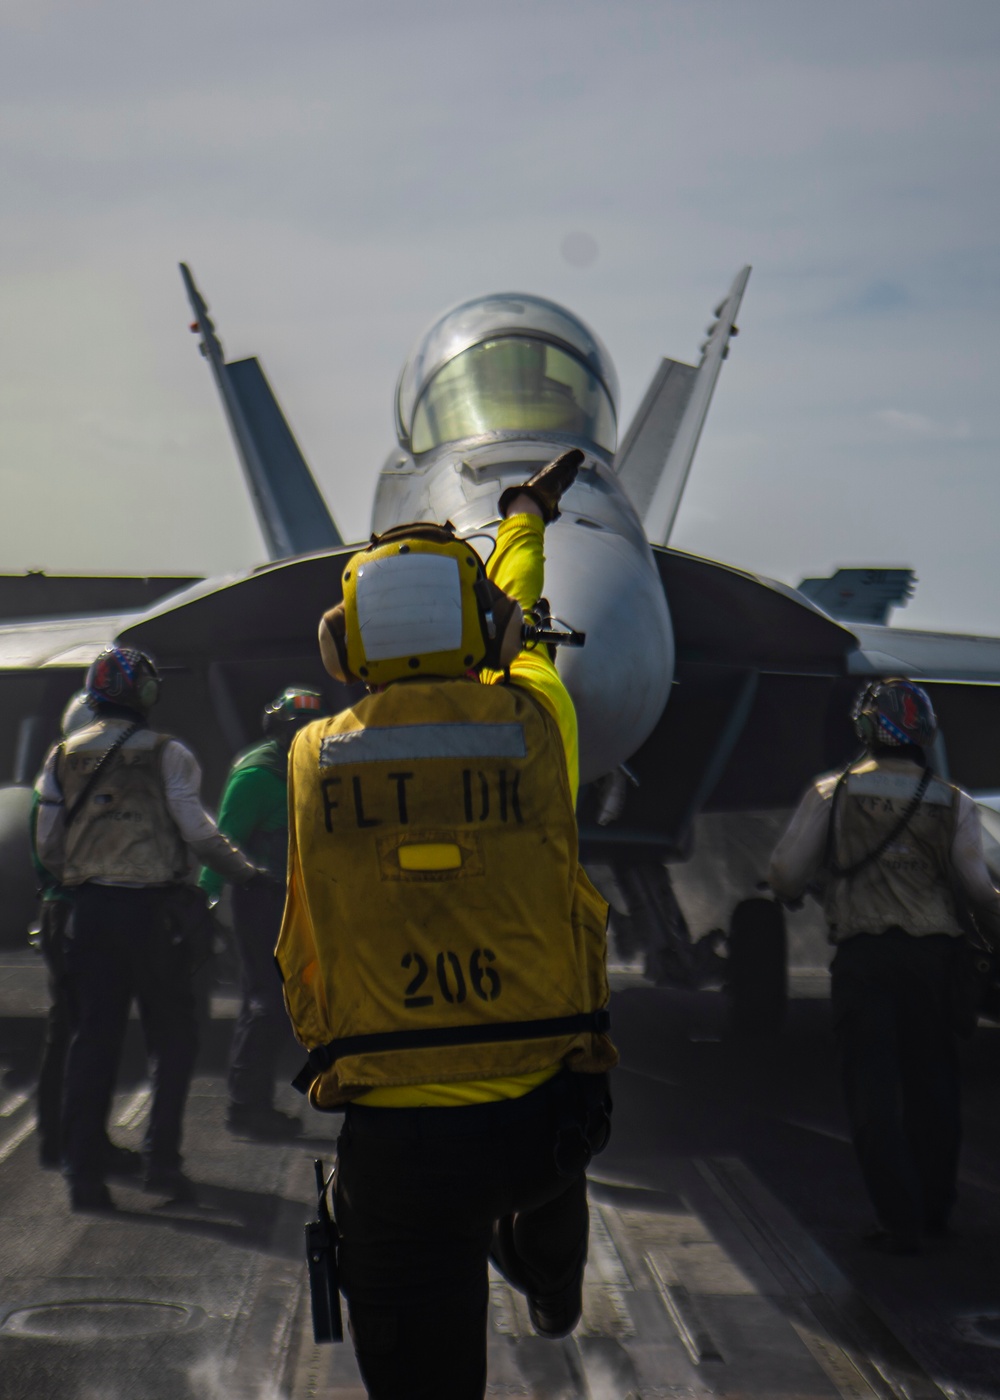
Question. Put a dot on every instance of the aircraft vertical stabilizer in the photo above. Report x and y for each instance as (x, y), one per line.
(656, 453)
(646, 445)
(292, 514)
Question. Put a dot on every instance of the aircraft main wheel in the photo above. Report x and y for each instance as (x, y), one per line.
(757, 970)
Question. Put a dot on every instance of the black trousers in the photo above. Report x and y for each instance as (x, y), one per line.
(418, 1191)
(262, 1027)
(123, 944)
(892, 1008)
(59, 1026)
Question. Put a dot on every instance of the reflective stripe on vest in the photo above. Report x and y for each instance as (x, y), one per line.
(402, 742)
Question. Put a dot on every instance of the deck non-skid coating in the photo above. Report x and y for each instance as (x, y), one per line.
(703, 1281)
(688, 1293)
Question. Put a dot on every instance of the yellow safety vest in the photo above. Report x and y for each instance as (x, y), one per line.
(438, 925)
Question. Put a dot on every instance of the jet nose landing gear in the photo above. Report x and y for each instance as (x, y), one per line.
(750, 962)
(655, 928)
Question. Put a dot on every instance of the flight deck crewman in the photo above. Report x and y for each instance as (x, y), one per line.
(119, 809)
(254, 814)
(56, 906)
(893, 849)
(443, 953)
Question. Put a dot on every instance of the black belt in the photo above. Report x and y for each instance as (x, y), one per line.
(320, 1059)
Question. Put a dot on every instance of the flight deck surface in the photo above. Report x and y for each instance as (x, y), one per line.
(724, 1254)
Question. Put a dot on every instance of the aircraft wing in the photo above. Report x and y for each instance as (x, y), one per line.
(761, 700)
(56, 642)
(764, 679)
(926, 656)
(226, 644)
(658, 448)
(271, 612)
(763, 686)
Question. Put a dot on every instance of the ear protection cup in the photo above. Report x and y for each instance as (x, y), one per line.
(333, 644)
(504, 645)
(513, 641)
(864, 729)
(148, 692)
(864, 726)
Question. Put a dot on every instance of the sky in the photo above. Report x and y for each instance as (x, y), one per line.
(338, 172)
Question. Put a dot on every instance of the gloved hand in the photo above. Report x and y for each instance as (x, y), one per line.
(263, 882)
(547, 486)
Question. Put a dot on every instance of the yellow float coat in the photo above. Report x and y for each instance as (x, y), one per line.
(434, 883)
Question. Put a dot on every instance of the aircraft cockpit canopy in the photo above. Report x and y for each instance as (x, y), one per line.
(513, 384)
(510, 363)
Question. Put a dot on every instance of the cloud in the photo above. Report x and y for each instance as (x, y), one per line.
(881, 296)
(579, 249)
(918, 425)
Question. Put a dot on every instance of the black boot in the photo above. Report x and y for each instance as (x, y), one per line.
(553, 1315)
(547, 486)
(89, 1194)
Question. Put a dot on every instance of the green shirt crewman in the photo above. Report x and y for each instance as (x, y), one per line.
(254, 814)
(254, 811)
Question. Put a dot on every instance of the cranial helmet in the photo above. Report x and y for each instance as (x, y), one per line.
(417, 602)
(894, 712)
(77, 714)
(124, 676)
(291, 709)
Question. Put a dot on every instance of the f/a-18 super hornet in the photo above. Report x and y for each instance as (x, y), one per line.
(701, 689)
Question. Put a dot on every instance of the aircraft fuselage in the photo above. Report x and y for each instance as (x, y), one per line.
(600, 577)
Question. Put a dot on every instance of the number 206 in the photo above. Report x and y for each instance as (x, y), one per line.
(483, 977)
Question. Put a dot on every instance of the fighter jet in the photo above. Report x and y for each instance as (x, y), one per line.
(701, 688)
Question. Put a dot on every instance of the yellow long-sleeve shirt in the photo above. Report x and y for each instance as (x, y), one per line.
(518, 567)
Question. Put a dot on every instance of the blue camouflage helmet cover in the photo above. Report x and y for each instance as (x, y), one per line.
(894, 712)
(123, 676)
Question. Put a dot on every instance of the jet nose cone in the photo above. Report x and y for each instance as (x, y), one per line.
(599, 583)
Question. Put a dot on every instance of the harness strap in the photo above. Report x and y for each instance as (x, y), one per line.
(433, 1037)
(99, 768)
(842, 872)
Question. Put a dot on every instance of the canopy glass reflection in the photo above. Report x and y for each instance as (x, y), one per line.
(513, 384)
